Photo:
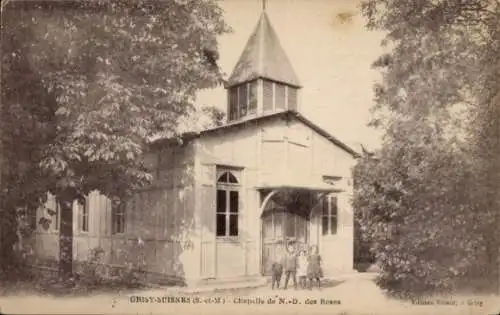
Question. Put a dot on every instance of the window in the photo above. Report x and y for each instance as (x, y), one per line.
(29, 214)
(252, 105)
(280, 96)
(329, 216)
(57, 216)
(227, 205)
(233, 103)
(118, 217)
(332, 180)
(83, 216)
(268, 96)
(243, 100)
(292, 98)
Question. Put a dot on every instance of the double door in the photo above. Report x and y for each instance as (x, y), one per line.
(279, 228)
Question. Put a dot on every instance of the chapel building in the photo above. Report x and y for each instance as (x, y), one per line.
(226, 200)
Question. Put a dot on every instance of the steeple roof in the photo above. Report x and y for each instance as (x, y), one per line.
(264, 57)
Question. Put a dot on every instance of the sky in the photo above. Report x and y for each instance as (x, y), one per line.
(331, 55)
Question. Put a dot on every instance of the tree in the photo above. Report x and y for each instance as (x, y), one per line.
(110, 75)
(415, 208)
(201, 118)
(434, 170)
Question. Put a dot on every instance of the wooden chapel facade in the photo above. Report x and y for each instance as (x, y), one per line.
(220, 205)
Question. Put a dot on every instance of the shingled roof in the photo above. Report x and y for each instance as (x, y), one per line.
(264, 57)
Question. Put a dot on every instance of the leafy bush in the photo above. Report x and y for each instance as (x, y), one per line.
(415, 203)
(94, 272)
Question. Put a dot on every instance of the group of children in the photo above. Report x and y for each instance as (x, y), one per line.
(307, 268)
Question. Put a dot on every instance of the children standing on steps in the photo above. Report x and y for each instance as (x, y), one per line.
(314, 270)
(302, 265)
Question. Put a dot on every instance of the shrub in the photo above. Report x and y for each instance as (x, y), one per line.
(94, 272)
(419, 204)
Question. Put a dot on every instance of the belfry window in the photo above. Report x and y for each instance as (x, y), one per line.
(268, 95)
(280, 102)
(243, 100)
(292, 98)
(278, 96)
(227, 203)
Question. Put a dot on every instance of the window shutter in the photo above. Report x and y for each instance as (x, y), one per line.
(292, 98)
(233, 103)
(243, 100)
(268, 96)
(280, 96)
(252, 106)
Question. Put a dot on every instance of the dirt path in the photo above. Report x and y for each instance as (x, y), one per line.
(357, 296)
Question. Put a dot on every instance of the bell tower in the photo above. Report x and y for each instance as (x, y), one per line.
(263, 80)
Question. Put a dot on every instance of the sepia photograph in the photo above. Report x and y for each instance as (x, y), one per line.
(240, 156)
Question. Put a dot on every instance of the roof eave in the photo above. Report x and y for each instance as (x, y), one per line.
(188, 136)
(231, 83)
(326, 134)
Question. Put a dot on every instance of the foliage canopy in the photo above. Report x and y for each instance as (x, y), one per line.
(428, 200)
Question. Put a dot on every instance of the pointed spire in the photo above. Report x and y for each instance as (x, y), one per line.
(263, 5)
(264, 57)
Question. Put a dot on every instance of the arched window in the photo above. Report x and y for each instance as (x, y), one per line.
(227, 204)
(227, 178)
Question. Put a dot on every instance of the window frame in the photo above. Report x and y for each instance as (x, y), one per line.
(253, 97)
(227, 187)
(83, 216)
(267, 90)
(280, 96)
(57, 216)
(292, 91)
(237, 107)
(330, 204)
(233, 112)
(30, 217)
(118, 211)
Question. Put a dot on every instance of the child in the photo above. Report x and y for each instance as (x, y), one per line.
(314, 270)
(277, 271)
(290, 266)
(302, 262)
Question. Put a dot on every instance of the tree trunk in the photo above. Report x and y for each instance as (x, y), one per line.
(8, 236)
(496, 197)
(66, 239)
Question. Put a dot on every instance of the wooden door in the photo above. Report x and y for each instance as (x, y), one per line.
(279, 228)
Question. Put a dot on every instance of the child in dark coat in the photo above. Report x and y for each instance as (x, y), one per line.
(290, 266)
(277, 272)
(314, 270)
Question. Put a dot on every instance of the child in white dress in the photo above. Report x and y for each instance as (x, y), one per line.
(302, 263)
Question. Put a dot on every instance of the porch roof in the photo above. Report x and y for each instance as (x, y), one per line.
(298, 183)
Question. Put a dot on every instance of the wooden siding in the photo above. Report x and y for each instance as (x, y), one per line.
(170, 226)
(270, 149)
(159, 221)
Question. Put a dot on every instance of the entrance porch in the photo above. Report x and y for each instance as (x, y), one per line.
(289, 215)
